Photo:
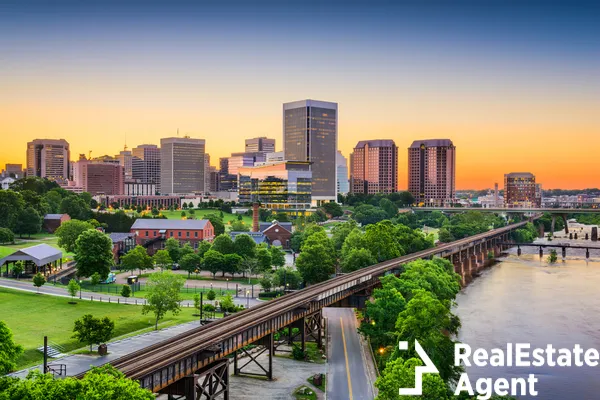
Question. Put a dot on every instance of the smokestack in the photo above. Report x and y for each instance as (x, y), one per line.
(255, 217)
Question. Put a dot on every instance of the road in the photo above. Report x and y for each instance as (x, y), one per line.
(50, 289)
(348, 377)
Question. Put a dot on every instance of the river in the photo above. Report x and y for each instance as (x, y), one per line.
(524, 300)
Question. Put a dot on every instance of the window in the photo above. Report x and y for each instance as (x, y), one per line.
(146, 233)
(196, 234)
(187, 234)
(179, 234)
(171, 233)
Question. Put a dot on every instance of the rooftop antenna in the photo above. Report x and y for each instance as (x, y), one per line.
(125, 147)
(177, 132)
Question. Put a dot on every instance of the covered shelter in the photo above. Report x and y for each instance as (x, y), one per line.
(40, 258)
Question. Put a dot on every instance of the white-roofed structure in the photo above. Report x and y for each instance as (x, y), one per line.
(40, 258)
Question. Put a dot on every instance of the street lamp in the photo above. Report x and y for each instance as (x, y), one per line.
(227, 283)
(80, 282)
(247, 298)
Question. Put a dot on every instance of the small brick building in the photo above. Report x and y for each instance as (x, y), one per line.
(53, 221)
(153, 233)
(277, 233)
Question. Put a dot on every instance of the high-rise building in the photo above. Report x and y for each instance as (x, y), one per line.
(284, 185)
(375, 167)
(101, 178)
(207, 172)
(13, 170)
(181, 165)
(341, 164)
(520, 190)
(49, 158)
(432, 171)
(145, 164)
(227, 181)
(260, 144)
(214, 180)
(126, 161)
(310, 134)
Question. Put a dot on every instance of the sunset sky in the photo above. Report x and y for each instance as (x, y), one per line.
(516, 87)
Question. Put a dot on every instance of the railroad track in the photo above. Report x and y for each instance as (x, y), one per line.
(143, 362)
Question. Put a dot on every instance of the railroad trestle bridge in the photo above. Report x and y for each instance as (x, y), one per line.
(194, 365)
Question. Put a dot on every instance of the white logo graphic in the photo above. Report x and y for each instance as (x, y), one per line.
(428, 368)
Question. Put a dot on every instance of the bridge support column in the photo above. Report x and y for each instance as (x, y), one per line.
(208, 383)
(564, 252)
(268, 346)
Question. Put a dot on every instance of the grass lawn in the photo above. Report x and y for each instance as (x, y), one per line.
(309, 395)
(434, 231)
(227, 217)
(31, 316)
(313, 354)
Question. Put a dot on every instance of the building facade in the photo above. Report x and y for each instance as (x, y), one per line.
(146, 202)
(102, 178)
(260, 144)
(520, 190)
(310, 134)
(285, 185)
(182, 165)
(48, 158)
(13, 171)
(375, 167)
(341, 165)
(432, 171)
(145, 164)
(126, 161)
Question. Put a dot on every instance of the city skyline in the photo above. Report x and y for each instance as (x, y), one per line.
(504, 83)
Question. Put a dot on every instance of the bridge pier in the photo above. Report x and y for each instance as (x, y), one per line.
(267, 343)
(209, 383)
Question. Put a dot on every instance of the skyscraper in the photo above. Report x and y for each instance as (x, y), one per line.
(375, 167)
(432, 171)
(181, 165)
(341, 165)
(125, 160)
(310, 134)
(102, 178)
(260, 144)
(145, 164)
(520, 190)
(49, 158)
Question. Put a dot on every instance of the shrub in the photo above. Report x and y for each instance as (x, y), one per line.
(208, 308)
(298, 354)
(126, 291)
(211, 295)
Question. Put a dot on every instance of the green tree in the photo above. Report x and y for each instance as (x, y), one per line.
(239, 226)
(186, 249)
(213, 261)
(316, 262)
(340, 232)
(38, 281)
(9, 350)
(217, 223)
(354, 240)
(400, 373)
(11, 204)
(190, 263)
(137, 258)
(162, 259)
(263, 256)
(282, 217)
(380, 241)
(6, 236)
(95, 279)
(227, 304)
(29, 222)
(211, 295)
(203, 247)
(334, 209)
(367, 214)
(76, 207)
(266, 282)
(163, 295)
(69, 231)
(223, 244)
(445, 236)
(244, 246)
(91, 330)
(93, 253)
(552, 258)
(53, 199)
(391, 209)
(249, 266)
(172, 246)
(287, 278)
(356, 259)
(277, 256)
(231, 263)
(18, 268)
(125, 291)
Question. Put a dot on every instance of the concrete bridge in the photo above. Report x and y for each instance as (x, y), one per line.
(194, 365)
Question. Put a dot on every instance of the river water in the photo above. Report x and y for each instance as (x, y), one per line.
(524, 300)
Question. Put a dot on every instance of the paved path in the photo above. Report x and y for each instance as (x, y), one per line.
(77, 364)
(347, 378)
(60, 291)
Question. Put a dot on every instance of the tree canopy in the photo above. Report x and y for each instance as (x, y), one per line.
(69, 231)
(93, 253)
(164, 294)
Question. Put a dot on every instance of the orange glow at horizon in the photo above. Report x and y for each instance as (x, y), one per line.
(554, 139)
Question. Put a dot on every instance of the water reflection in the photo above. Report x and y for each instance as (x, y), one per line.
(523, 299)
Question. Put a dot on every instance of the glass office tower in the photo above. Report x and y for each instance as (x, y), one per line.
(310, 135)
